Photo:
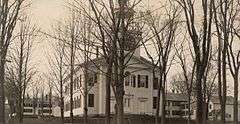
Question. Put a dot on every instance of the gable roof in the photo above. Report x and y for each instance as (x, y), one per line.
(229, 100)
(101, 61)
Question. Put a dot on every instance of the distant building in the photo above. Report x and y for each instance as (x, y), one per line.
(176, 105)
(215, 108)
(37, 107)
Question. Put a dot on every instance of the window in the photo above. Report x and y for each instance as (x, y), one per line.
(80, 80)
(182, 106)
(79, 102)
(127, 102)
(74, 84)
(47, 111)
(133, 80)
(155, 83)
(127, 80)
(168, 103)
(186, 106)
(27, 105)
(176, 103)
(167, 112)
(143, 81)
(66, 89)
(154, 102)
(139, 83)
(67, 108)
(146, 83)
(90, 100)
(92, 79)
(74, 103)
(28, 110)
(95, 77)
(179, 113)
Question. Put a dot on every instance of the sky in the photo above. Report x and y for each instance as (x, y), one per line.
(44, 13)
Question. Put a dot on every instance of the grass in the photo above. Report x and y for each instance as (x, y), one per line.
(132, 120)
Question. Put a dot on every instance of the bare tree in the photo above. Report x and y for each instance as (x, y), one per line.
(19, 71)
(104, 45)
(187, 74)
(35, 100)
(226, 13)
(163, 37)
(115, 26)
(78, 46)
(9, 12)
(201, 41)
(209, 87)
(233, 55)
(58, 70)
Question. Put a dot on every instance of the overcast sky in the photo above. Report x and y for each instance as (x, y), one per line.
(44, 13)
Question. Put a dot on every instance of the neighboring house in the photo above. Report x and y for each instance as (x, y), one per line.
(37, 107)
(215, 108)
(176, 105)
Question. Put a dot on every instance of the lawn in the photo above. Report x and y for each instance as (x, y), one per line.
(132, 120)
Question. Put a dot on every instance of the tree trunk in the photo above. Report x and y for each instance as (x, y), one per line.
(85, 95)
(158, 100)
(108, 93)
(42, 103)
(61, 102)
(205, 117)
(189, 108)
(120, 92)
(2, 94)
(20, 109)
(50, 102)
(120, 111)
(235, 107)
(199, 112)
(224, 70)
(61, 84)
(71, 79)
(62, 109)
(224, 92)
(158, 107)
(220, 80)
(163, 112)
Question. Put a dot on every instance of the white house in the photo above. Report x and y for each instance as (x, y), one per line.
(215, 108)
(138, 98)
(176, 105)
(140, 91)
(37, 107)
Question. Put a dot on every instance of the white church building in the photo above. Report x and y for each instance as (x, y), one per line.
(140, 92)
(138, 98)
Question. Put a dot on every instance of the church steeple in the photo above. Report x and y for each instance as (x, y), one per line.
(132, 33)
